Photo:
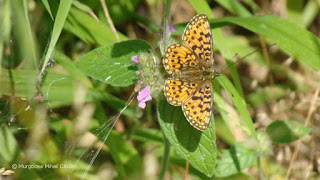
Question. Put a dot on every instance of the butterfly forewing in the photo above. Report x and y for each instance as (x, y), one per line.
(198, 37)
(179, 59)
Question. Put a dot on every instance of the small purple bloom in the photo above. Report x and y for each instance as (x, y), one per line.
(135, 59)
(212, 61)
(171, 28)
(144, 96)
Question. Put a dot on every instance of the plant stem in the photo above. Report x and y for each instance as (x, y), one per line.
(165, 42)
(261, 176)
(106, 13)
(266, 57)
(166, 24)
(186, 172)
(165, 158)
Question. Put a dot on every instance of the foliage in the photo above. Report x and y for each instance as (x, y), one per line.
(75, 107)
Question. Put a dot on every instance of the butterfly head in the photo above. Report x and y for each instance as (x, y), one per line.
(214, 73)
(209, 73)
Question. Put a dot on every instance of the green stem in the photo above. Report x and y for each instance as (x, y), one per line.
(165, 42)
(146, 22)
(165, 158)
(166, 24)
(261, 176)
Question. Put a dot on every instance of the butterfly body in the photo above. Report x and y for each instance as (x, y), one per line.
(190, 67)
(203, 74)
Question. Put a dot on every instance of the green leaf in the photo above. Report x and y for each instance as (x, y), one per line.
(9, 149)
(47, 6)
(69, 66)
(201, 6)
(238, 101)
(145, 20)
(145, 135)
(82, 7)
(266, 95)
(199, 148)
(234, 160)
(89, 29)
(245, 52)
(23, 35)
(294, 10)
(125, 155)
(176, 160)
(5, 27)
(310, 12)
(294, 40)
(112, 101)
(235, 7)
(57, 88)
(223, 130)
(238, 176)
(286, 131)
(112, 64)
(223, 127)
(61, 16)
(254, 6)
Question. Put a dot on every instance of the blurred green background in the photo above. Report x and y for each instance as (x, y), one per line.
(58, 104)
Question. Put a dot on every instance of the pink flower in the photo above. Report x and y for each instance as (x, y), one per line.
(144, 96)
(135, 59)
(212, 61)
(171, 28)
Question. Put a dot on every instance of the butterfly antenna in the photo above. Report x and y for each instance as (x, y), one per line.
(221, 69)
(243, 57)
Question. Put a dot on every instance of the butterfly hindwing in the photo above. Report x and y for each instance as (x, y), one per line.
(197, 108)
(178, 90)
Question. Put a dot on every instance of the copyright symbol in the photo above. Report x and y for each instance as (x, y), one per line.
(14, 166)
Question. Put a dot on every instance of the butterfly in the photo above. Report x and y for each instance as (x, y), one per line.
(190, 67)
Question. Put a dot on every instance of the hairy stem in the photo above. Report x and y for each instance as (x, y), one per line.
(166, 24)
(165, 158)
(166, 154)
